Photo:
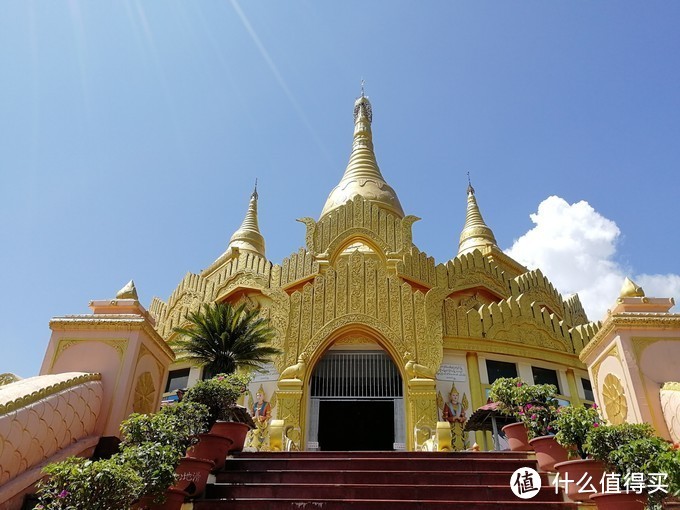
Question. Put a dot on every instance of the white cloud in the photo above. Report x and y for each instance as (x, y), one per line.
(575, 247)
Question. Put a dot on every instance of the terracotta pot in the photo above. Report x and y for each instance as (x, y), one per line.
(193, 475)
(620, 501)
(235, 431)
(516, 434)
(574, 470)
(174, 500)
(211, 447)
(548, 452)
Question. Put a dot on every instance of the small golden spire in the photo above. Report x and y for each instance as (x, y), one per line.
(362, 175)
(129, 291)
(631, 289)
(476, 233)
(248, 236)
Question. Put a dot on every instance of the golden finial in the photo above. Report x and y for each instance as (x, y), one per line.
(362, 87)
(128, 292)
(470, 189)
(248, 236)
(476, 233)
(631, 289)
(362, 176)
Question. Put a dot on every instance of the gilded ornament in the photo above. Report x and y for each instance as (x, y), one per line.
(145, 394)
(129, 291)
(614, 397)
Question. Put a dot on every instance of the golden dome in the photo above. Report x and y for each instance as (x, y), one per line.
(362, 175)
(476, 234)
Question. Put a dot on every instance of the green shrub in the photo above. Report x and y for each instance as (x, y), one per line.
(155, 464)
(508, 393)
(609, 438)
(219, 395)
(78, 484)
(173, 426)
(574, 424)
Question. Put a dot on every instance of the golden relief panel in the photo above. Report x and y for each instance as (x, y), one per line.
(614, 398)
(145, 394)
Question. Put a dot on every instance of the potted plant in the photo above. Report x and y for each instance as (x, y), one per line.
(538, 415)
(510, 394)
(175, 427)
(625, 450)
(156, 465)
(220, 395)
(95, 485)
(574, 424)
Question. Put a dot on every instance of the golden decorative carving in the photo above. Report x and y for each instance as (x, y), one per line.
(614, 397)
(631, 289)
(145, 394)
(129, 291)
(25, 400)
(8, 378)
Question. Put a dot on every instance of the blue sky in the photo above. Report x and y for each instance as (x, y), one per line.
(131, 133)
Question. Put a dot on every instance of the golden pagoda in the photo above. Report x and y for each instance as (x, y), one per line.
(380, 341)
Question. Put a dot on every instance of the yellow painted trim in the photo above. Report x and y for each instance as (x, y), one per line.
(476, 394)
(491, 346)
(574, 397)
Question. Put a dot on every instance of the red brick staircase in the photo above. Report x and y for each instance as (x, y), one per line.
(374, 480)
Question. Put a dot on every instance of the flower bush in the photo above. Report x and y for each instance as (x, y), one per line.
(78, 483)
(509, 394)
(540, 410)
(573, 424)
(535, 406)
(219, 395)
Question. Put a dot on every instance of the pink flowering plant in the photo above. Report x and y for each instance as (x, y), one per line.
(533, 405)
(540, 411)
(574, 424)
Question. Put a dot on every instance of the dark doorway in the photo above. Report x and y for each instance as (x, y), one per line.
(356, 425)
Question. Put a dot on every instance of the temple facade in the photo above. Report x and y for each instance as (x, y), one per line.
(379, 341)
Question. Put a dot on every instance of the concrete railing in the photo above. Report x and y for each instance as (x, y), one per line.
(44, 419)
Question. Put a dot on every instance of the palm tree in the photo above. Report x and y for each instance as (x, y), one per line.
(222, 338)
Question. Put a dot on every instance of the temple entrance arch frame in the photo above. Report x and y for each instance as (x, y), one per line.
(294, 382)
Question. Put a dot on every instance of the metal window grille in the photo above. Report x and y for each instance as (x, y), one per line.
(356, 375)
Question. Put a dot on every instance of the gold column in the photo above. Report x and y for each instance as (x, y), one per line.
(573, 391)
(476, 394)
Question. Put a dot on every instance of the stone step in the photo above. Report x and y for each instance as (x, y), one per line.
(369, 477)
(376, 464)
(383, 455)
(364, 504)
(418, 489)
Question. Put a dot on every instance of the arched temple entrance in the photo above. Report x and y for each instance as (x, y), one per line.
(356, 402)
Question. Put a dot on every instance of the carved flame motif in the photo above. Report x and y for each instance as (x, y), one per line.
(615, 404)
(145, 392)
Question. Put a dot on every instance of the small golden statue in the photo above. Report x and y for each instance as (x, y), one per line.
(261, 410)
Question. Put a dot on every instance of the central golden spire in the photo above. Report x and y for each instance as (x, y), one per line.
(476, 234)
(248, 236)
(362, 175)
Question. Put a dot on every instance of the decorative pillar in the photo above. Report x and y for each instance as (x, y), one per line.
(476, 394)
(422, 404)
(632, 356)
(117, 340)
(573, 388)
